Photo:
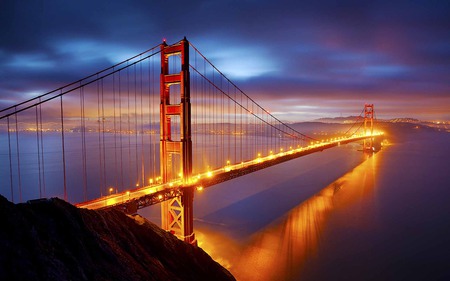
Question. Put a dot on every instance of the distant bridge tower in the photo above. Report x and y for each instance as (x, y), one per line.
(368, 127)
(177, 213)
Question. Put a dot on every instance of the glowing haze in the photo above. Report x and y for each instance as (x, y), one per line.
(300, 59)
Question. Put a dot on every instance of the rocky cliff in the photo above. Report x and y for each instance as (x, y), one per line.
(53, 240)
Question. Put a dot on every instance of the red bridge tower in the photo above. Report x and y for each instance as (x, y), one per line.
(368, 127)
(177, 213)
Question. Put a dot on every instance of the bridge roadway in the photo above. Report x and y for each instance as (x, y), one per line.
(132, 200)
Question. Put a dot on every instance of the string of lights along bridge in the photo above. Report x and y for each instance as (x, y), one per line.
(152, 129)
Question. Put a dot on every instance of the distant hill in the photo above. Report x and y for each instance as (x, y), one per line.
(53, 240)
(352, 119)
(340, 120)
(404, 120)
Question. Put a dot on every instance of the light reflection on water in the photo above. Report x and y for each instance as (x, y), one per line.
(387, 219)
(279, 251)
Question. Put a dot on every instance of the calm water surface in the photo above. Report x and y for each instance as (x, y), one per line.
(336, 215)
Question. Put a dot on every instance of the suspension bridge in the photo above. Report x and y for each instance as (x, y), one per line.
(152, 129)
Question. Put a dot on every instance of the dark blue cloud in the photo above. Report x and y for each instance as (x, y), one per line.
(337, 53)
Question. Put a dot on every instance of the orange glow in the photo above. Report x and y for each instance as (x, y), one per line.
(279, 251)
(227, 166)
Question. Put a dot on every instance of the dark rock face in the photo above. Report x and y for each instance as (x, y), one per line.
(53, 240)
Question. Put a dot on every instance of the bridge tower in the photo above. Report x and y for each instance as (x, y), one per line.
(368, 127)
(177, 213)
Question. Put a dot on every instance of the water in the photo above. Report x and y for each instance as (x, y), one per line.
(121, 161)
(32, 167)
(335, 215)
(317, 218)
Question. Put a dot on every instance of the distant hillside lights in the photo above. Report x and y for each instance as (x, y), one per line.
(78, 130)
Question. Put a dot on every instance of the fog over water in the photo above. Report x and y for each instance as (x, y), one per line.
(336, 215)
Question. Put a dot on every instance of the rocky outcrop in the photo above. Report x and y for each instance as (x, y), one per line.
(53, 240)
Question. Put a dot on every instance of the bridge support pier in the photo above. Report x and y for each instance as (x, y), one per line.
(178, 216)
(177, 213)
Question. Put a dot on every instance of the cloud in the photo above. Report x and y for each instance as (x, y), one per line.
(315, 52)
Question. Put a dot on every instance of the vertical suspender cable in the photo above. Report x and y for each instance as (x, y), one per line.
(38, 153)
(221, 138)
(103, 136)
(150, 98)
(100, 159)
(235, 127)
(18, 160)
(142, 128)
(84, 145)
(241, 139)
(204, 129)
(155, 99)
(229, 124)
(215, 122)
(116, 176)
(83, 142)
(42, 149)
(255, 137)
(63, 149)
(129, 128)
(121, 133)
(10, 161)
(136, 126)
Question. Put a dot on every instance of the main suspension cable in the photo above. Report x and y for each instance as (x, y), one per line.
(243, 93)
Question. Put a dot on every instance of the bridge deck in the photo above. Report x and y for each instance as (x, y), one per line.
(132, 200)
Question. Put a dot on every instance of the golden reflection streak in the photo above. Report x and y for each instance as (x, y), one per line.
(279, 251)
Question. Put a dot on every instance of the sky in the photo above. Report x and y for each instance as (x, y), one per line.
(301, 60)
